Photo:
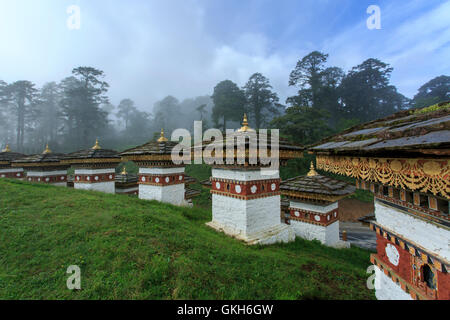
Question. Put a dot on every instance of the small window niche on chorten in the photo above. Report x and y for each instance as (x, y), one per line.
(245, 188)
(159, 177)
(314, 206)
(6, 169)
(46, 167)
(95, 168)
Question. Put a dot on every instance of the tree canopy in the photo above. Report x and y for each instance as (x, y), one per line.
(229, 103)
(434, 91)
(262, 103)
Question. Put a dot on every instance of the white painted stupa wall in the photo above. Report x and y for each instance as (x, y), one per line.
(60, 184)
(44, 174)
(95, 171)
(11, 170)
(161, 170)
(243, 175)
(332, 234)
(254, 220)
(327, 235)
(246, 217)
(386, 289)
(106, 187)
(173, 194)
(427, 235)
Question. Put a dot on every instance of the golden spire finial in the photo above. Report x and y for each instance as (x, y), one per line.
(47, 150)
(7, 149)
(162, 138)
(245, 121)
(312, 171)
(97, 145)
(124, 171)
(245, 126)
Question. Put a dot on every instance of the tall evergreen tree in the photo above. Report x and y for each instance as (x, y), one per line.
(303, 124)
(49, 112)
(328, 94)
(22, 97)
(434, 91)
(367, 94)
(6, 127)
(262, 102)
(82, 95)
(167, 113)
(307, 76)
(126, 109)
(229, 103)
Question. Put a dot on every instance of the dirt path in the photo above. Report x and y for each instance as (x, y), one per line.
(352, 209)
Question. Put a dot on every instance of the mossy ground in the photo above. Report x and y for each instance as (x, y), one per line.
(135, 249)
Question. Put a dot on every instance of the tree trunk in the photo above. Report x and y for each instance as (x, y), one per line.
(257, 118)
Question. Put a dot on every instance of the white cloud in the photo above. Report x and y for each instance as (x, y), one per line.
(149, 49)
(417, 47)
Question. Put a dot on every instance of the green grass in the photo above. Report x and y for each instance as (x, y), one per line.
(135, 249)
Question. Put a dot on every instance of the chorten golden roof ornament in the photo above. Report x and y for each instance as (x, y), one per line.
(124, 171)
(312, 171)
(245, 127)
(96, 146)
(7, 149)
(162, 138)
(47, 150)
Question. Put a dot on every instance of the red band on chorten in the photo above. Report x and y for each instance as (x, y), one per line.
(94, 178)
(12, 175)
(245, 189)
(161, 179)
(48, 179)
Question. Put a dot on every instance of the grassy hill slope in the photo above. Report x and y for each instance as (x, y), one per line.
(134, 249)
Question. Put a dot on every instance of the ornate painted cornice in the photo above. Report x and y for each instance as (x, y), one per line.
(424, 175)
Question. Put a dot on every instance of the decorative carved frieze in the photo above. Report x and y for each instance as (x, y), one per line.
(424, 175)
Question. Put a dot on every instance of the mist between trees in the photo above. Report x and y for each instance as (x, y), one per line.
(71, 114)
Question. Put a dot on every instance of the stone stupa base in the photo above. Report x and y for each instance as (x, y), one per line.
(281, 233)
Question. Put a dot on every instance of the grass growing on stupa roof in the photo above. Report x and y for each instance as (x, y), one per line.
(135, 249)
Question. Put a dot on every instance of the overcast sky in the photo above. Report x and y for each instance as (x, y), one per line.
(150, 49)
